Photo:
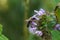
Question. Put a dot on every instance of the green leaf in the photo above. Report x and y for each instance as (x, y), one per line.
(55, 35)
(2, 37)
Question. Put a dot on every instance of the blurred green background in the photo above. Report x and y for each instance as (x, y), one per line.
(13, 14)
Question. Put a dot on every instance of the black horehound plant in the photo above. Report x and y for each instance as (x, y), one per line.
(41, 24)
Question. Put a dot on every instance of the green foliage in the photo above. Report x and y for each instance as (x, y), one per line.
(51, 19)
(55, 35)
(2, 37)
(48, 20)
(58, 15)
(33, 37)
(0, 28)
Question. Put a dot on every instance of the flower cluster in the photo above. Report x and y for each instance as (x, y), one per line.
(38, 13)
(34, 31)
(33, 25)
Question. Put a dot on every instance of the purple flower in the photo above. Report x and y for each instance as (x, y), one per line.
(32, 30)
(39, 33)
(57, 27)
(33, 23)
(40, 12)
